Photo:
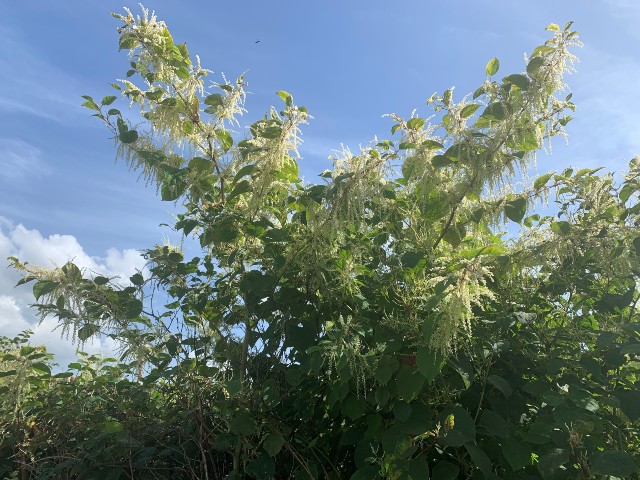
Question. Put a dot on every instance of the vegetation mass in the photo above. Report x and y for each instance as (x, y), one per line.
(377, 324)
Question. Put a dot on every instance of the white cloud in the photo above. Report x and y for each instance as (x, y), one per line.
(20, 160)
(23, 90)
(30, 245)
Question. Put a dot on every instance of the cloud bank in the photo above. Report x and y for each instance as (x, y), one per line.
(32, 246)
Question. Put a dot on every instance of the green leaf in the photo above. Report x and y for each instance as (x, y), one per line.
(214, 100)
(464, 429)
(87, 331)
(553, 27)
(270, 133)
(552, 461)
(108, 100)
(42, 368)
(225, 139)
(242, 187)
(429, 363)
(42, 287)
(494, 424)
(629, 403)
(411, 259)
(127, 41)
(137, 279)
(262, 468)
(242, 424)
(286, 97)
(90, 104)
(368, 472)
(534, 65)
(562, 227)
(402, 411)
(7, 373)
(415, 123)
(201, 165)
(519, 80)
(492, 67)
(514, 210)
(542, 180)
(614, 463)
(244, 171)
(273, 443)
(409, 382)
(481, 460)
(387, 366)
(130, 136)
(494, 111)
(455, 234)
(469, 110)
(501, 384)
(444, 470)
(518, 454)
(440, 161)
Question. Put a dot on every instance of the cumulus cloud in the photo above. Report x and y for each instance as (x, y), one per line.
(30, 245)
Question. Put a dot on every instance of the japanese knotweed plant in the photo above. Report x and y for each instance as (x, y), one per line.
(330, 328)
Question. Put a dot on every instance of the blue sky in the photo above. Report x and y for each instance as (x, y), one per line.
(349, 62)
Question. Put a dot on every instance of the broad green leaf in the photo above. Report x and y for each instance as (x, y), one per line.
(201, 165)
(224, 139)
(429, 363)
(501, 384)
(629, 403)
(552, 461)
(481, 460)
(517, 453)
(108, 100)
(415, 123)
(273, 443)
(402, 411)
(464, 429)
(42, 287)
(562, 227)
(244, 171)
(42, 368)
(242, 187)
(469, 110)
(542, 180)
(534, 65)
(214, 100)
(494, 424)
(368, 472)
(411, 259)
(440, 161)
(262, 468)
(519, 80)
(286, 97)
(409, 382)
(614, 463)
(242, 424)
(137, 279)
(493, 112)
(515, 209)
(87, 331)
(130, 136)
(492, 67)
(444, 470)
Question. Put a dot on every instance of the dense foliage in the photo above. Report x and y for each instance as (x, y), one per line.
(377, 324)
